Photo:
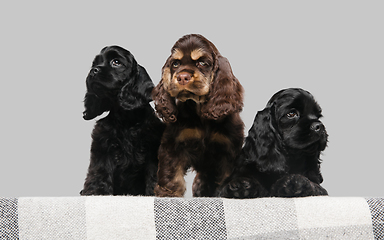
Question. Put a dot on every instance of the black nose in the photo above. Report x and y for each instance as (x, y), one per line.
(94, 71)
(317, 127)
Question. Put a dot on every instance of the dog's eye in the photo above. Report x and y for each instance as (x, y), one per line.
(292, 114)
(202, 64)
(115, 63)
(176, 64)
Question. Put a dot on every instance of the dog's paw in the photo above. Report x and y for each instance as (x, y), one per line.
(243, 188)
(296, 185)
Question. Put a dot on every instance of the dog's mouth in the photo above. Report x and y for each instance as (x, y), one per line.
(195, 89)
(96, 87)
(313, 144)
(323, 141)
(103, 87)
(94, 84)
(187, 95)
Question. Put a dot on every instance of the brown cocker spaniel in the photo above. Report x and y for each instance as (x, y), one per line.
(200, 101)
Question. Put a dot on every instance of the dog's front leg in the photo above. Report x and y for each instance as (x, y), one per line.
(170, 174)
(98, 182)
(171, 181)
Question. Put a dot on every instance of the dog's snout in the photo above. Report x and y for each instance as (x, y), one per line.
(317, 127)
(183, 78)
(94, 71)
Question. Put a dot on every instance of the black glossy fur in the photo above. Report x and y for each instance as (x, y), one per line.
(125, 142)
(281, 153)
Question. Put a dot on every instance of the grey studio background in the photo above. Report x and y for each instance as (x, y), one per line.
(334, 49)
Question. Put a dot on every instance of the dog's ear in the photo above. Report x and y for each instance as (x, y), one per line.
(165, 104)
(94, 106)
(263, 143)
(225, 96)
(137, 91)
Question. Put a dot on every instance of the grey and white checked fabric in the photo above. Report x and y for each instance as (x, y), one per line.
(376, 205)
(121, 217)
(193, 219)
(8, 218)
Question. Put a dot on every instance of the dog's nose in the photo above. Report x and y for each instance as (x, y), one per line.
(317, 127)
(94, 71)
(184, 78)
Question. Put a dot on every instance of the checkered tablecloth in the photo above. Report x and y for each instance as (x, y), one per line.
(122, 217)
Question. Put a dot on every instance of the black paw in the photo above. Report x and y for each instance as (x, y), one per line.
(243, 188)
(296, 185)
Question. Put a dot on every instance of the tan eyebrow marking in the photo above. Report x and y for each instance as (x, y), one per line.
(177, 54)
(197, 53)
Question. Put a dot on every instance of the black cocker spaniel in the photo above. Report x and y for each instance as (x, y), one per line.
(281, 153)
(125, 142)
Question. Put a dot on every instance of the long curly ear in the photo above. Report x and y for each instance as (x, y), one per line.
(137, 91)
(225, 96)
(165, 104)
(262, 144)
(94, 106)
